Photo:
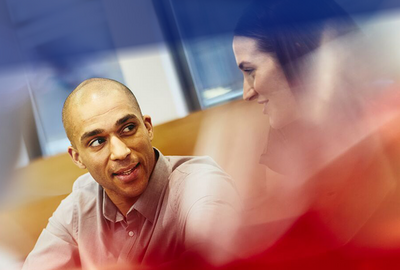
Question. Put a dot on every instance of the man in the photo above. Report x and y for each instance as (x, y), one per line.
(135, 205)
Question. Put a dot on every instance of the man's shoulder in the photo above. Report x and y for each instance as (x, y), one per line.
(81, 200)
(84, 190)
(196, 173)
(193, 164)
(84, 182)
(198, 181)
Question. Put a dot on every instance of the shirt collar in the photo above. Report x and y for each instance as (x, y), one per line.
(110, 211)
(148, 202)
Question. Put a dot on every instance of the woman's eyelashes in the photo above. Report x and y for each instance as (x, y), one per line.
(248, 70)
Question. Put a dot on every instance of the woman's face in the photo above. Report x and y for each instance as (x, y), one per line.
(265, 82)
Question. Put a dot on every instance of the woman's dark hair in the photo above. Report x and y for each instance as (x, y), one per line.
(292, 28)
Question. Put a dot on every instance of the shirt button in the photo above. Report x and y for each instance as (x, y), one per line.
(130, 233)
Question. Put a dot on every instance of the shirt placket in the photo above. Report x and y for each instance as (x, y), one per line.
(132, 229)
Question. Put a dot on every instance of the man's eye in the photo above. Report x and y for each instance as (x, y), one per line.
(128, 128)
(97, 142)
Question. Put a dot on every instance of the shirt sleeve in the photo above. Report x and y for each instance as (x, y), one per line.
(56, 247)
(212, 218)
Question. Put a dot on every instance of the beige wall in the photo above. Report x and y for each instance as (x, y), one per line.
(150, 74)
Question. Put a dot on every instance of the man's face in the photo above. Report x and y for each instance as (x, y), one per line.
(113, 142)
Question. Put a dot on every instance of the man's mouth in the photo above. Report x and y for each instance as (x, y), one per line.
(126, 171)
(127, 174)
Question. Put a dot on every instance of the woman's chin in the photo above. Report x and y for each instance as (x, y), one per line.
(280, 123)
(275, 124)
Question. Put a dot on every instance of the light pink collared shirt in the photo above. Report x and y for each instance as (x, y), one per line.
(189, 200)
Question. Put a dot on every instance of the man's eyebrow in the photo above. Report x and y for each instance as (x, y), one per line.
(91, 134)
(125, 119)
(99, 131)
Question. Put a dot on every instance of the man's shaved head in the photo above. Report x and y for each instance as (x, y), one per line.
(83, 91)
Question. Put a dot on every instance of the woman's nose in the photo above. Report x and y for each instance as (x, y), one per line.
(249, 94)
(248, 90)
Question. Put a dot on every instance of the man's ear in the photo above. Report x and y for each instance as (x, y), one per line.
(75, 157)
(149, 126)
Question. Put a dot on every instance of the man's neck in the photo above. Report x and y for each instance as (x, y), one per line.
(123, 205)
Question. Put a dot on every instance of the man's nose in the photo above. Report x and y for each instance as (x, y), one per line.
(248, 91)
(119, 150)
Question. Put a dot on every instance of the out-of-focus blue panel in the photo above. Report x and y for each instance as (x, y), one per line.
(51, 32)
(9, 52)
(133, 23)
(23, 11)
(199, 18)
(48, 30)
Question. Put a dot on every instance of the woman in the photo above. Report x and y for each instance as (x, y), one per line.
(274, 44)
(302, 62)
